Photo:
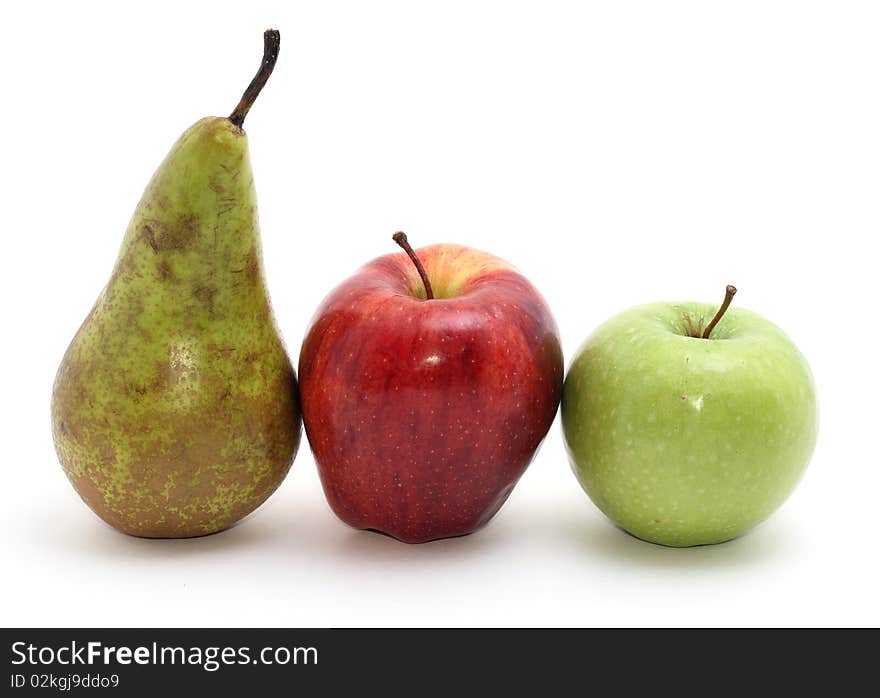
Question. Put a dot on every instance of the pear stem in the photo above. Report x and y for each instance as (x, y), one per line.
(729, 293)
(271, 46)
(400, 238)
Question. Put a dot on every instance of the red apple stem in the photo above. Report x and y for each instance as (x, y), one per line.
(400, 238)
(271, 46)
(729, 293)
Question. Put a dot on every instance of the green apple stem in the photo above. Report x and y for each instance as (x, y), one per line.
(400, 238)
(271, 46)
(729, 293)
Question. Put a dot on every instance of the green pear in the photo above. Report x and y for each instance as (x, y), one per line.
(175, 411)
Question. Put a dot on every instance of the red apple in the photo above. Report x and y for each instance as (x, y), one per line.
(426, 397)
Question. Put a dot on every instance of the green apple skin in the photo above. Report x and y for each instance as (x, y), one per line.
(685, 441)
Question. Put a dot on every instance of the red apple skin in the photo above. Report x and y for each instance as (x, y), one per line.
(422, 415)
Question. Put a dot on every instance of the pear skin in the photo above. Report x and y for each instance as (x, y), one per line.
(175, 410)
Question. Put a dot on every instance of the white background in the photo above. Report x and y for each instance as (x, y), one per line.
(617, 153)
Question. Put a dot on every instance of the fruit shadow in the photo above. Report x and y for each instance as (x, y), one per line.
(593, 534)
(86, 536)
(312, 531)
(370, 548)
(309, 531)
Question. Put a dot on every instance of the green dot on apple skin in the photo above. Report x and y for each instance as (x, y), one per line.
(685, 441)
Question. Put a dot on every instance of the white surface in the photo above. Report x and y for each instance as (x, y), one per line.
(617, 152)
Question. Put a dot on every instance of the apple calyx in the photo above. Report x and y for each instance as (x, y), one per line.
(271, 46)
(400, 238)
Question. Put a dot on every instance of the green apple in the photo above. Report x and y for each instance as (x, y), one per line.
(685, 435)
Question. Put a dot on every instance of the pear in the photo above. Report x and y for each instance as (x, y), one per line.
(175, 411)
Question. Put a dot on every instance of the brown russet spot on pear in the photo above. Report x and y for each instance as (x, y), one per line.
(175, 410)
